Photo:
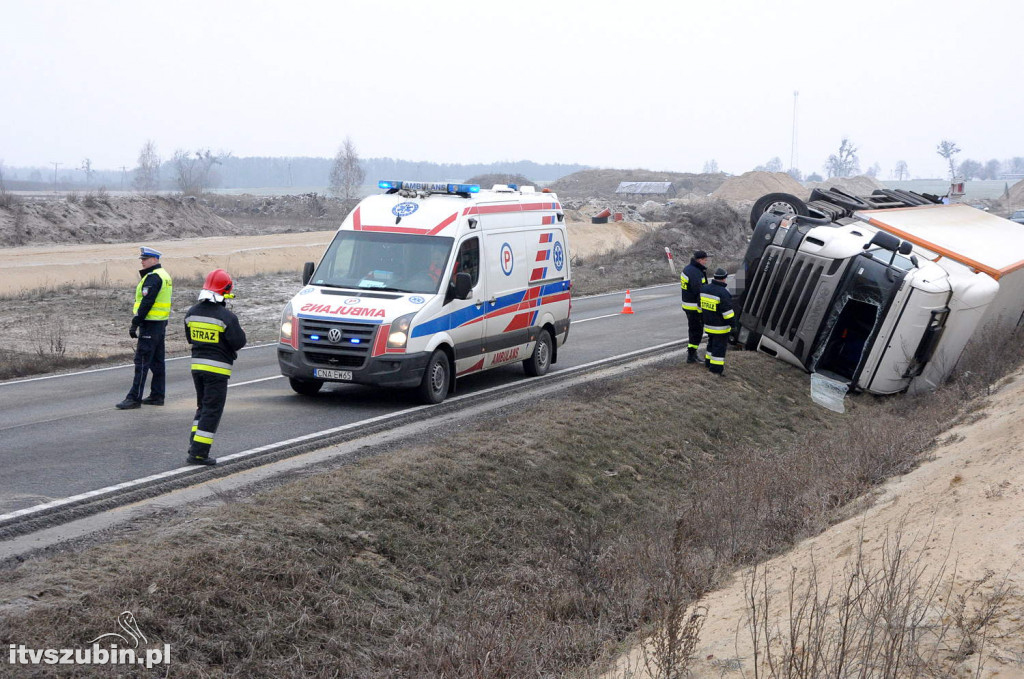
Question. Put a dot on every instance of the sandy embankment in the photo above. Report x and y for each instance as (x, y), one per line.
(44, 266)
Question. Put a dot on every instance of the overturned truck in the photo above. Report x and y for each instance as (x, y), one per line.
(882, 292)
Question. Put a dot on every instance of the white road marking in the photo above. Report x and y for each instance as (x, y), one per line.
(262, 379)
(113, 367)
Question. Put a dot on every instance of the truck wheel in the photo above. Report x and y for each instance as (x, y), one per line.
(305, 387)
(436, 379)
(777, 202)
(540, 362)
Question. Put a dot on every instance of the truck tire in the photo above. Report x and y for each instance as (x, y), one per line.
(305, 387)
(780, 202)
(436, 379)
(540, 361)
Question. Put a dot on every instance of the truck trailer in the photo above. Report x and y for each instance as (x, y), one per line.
(881, 292)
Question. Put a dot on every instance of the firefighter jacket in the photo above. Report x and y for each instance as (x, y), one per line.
(152, 295)
(215, 336)
(693, 277)
(716, 305)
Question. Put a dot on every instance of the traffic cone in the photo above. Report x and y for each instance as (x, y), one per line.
(627, 308)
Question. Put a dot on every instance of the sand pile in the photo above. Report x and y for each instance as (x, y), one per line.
(750, 186)
(588, 184)
(105, 219)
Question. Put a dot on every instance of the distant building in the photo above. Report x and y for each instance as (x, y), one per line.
(664, 189)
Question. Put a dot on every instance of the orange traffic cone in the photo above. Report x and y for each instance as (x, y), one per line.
(627, 308)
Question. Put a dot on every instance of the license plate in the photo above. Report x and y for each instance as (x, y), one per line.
(345, 375)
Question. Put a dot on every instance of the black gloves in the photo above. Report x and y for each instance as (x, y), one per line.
(133, 332)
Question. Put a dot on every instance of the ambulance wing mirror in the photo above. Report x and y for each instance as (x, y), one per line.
(463, 285)
(905, 248)
(307, 272)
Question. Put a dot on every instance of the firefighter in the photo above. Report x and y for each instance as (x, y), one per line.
(215, 336)
(716, 304)
(694, 276)
(149, 326)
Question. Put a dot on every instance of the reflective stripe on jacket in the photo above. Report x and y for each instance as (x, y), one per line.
(215, 336)
(694, 276)
(161, 306)
(716, 304)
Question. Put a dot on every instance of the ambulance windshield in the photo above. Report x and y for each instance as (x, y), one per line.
(395, 262)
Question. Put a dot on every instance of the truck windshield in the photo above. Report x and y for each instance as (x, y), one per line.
(398, 262)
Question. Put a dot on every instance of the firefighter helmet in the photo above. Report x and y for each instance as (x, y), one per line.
(219, 282)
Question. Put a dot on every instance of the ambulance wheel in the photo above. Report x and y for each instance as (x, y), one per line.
(540, 362)
(784, 203)
(305, 387)
(436, 379)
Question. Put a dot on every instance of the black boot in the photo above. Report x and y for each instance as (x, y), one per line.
(153, 401)
(691, 355)
(128, 404)
(192, 459)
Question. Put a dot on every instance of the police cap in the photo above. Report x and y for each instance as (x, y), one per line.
(145, 252)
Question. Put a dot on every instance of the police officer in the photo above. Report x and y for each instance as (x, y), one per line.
(693, 277)
(149, 325)
(716, 304)
(215, 336)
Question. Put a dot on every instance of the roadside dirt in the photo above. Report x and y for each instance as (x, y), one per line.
(962, 511)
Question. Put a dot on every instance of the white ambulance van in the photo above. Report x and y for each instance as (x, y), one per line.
(428, 282)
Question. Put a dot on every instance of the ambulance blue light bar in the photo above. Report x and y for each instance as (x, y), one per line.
(431, 187)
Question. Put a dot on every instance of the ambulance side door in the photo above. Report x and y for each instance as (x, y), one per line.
(466, 325)
(510, 310)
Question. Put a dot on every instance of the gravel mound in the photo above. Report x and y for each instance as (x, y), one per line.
(750, 186)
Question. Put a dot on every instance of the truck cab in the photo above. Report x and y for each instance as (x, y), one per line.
(880, 292)
(428, 282)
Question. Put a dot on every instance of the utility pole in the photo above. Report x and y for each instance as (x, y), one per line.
(792, 151)
(124, 173)
(55, 175)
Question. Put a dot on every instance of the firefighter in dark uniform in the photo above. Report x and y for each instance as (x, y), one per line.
(149, 326)
(215, 336)
(716, 303)
(694, 276)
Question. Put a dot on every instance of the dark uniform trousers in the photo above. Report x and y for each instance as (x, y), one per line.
(211, 395)
(149, 358)
(717, 346)
(695, 326)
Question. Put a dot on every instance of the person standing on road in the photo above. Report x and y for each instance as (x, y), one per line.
(215, 336)
(694, 276)
(716, 303)
(149, 326)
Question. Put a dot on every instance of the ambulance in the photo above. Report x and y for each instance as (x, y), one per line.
(428, 282)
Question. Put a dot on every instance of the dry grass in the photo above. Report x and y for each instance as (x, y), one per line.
(529, 545)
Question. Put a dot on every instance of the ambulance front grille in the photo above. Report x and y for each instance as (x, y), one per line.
(350, 351)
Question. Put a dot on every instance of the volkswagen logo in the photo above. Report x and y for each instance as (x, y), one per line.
(334, 335)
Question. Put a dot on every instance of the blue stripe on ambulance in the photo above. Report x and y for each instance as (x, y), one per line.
(471, 313)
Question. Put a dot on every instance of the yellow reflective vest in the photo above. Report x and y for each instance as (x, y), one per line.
(161, 309)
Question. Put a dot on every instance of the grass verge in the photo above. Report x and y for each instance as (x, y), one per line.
(529, 544)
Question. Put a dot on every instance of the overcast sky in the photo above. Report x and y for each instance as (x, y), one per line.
(659, 85)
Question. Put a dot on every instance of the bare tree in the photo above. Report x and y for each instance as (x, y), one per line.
(773, 165)
(346, 173)
(795, 173)
(6, 199)
(147, 173)
(844, 163)
(193, 172)
(711, 167)
(873, 171)
(992, 169)
(901, 172)
(948, 150)
(971, 169)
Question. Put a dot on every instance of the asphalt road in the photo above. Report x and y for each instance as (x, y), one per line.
(61, 435)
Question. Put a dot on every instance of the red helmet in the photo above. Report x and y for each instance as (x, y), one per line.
(218, 281)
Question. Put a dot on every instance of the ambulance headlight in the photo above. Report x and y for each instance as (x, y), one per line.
(398, 336)
(289, 328)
